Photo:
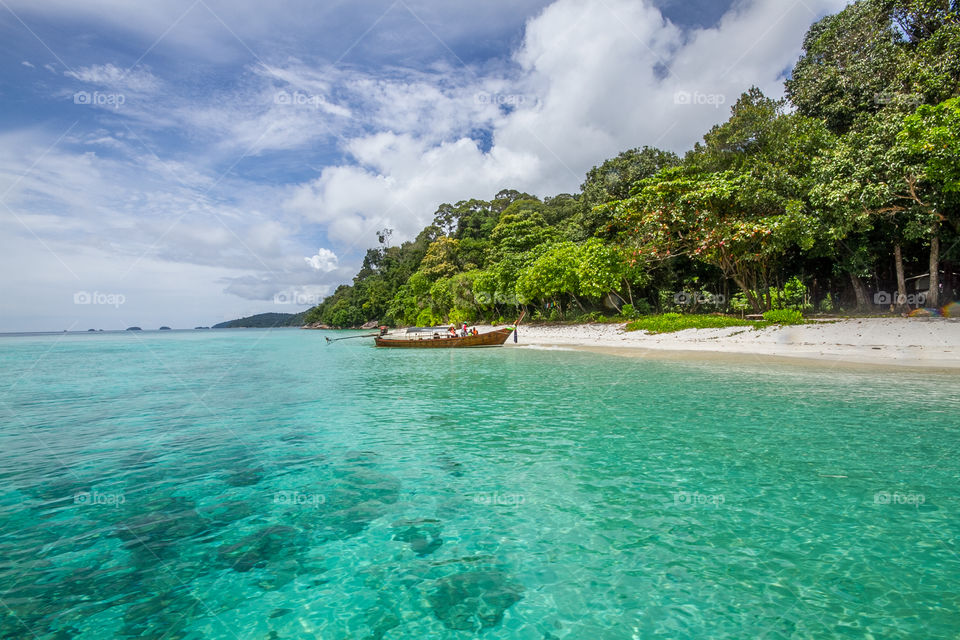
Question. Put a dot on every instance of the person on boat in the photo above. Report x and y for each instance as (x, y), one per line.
(452, 331)
(475, 332)
(463, 330)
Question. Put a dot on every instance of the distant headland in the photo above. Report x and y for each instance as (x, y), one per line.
(264, 321)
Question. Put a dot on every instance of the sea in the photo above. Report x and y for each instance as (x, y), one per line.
(267, 484)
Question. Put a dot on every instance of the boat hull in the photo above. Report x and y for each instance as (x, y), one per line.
(494, 338)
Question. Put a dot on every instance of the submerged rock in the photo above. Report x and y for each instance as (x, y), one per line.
(165, 616)
(423, 535)
(259, 548)
(222, 514)
(165, 522)
(362, 495)
(474, 600)
(245, 477)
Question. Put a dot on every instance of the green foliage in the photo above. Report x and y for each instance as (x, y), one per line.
(600, 269)
(426, 319)
(826, 305)
(792, 296)
(642, 307)
(783, 316)
(671, 322)
(550, 275)
(850, 61)
(459, 316)
(932, 134)
(628, 311)
(592, 316)
(613, 180)
(739, 302)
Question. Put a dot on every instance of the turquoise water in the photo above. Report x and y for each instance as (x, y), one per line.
(258, 484)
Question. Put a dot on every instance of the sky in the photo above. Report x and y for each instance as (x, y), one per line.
(193, 161)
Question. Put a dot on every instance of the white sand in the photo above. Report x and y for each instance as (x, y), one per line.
(904, 342)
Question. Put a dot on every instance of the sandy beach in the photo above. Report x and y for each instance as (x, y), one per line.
(930, 343)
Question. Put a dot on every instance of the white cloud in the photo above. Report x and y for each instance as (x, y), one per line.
(136, 80)
(28, 64)
(324, 260)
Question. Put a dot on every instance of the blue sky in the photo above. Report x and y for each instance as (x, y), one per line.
(187, 162)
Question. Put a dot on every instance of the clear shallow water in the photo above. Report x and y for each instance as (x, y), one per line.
(257, 484)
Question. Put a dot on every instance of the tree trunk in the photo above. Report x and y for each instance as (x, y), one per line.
(751, 298)
(614, 296)
(901, 282)
(860, 291)
(933, 293)
(629, 290)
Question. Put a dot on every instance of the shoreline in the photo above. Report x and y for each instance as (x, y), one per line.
(920, 344)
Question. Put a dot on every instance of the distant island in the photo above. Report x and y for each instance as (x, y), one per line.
(164, 328)
(134, 329)
(264, 321)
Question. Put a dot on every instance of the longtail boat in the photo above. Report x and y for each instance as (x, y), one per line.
(438, 340)
(441, 339)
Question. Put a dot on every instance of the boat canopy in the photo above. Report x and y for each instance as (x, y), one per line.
(426, 329)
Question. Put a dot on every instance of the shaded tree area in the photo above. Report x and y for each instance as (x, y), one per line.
(844, 195)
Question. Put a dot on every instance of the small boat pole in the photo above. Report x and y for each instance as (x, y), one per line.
(369, 335)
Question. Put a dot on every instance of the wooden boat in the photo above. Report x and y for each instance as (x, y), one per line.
(439, 340)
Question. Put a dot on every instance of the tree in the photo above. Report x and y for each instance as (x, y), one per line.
(551, 276)
(613, 180)
(931, 138)
(738, 202)
(600, 269)
(849, 64)
(874, 55)
(441, 261)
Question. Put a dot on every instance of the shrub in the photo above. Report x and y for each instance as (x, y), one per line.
(826, 305)
(459, 316)
(670, 322)
(627, 311)
(427, 319)
(739, 302)
(643, 307)
(783, 316)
